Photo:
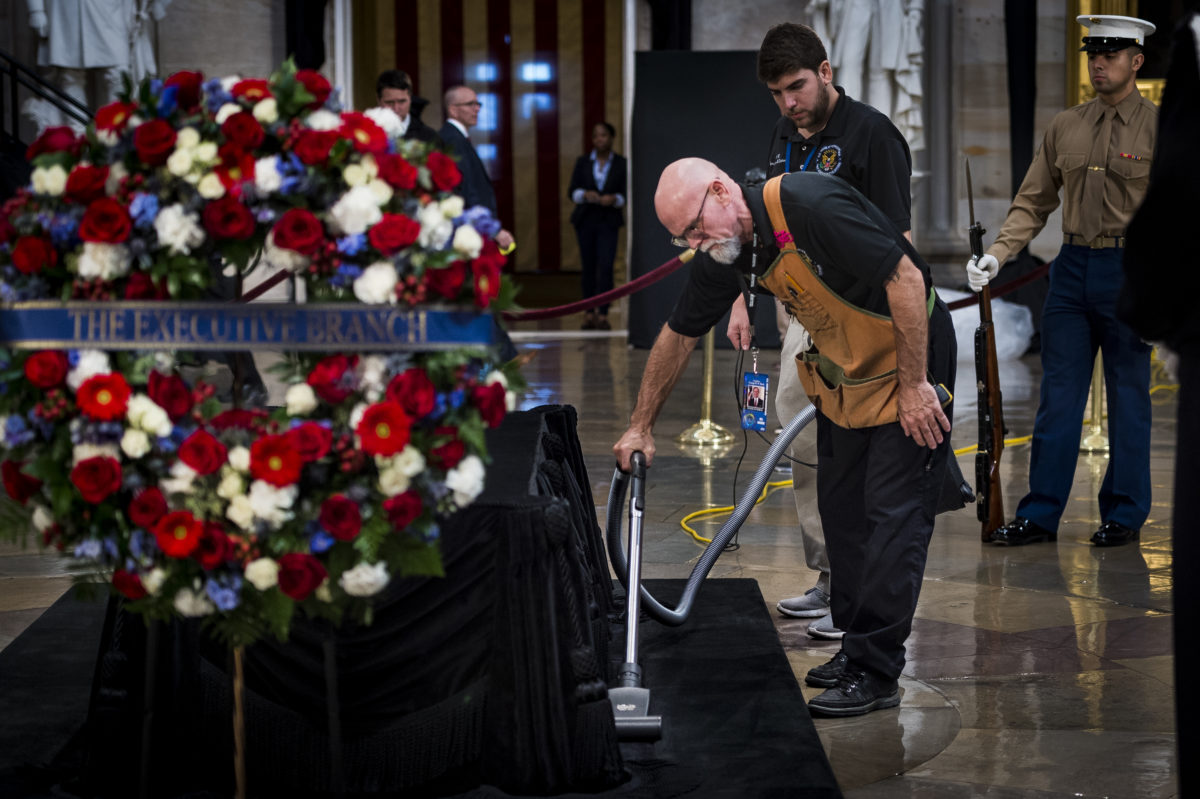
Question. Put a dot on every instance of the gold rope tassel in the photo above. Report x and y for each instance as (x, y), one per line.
(239, 725)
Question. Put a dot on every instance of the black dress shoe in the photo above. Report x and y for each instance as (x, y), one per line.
(857, 692)
(1022, 531)
(1112, 534)
(827, 674)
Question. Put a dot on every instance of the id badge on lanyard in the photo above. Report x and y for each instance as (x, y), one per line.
(755, 389)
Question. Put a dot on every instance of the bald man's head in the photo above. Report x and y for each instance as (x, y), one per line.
(701, 205)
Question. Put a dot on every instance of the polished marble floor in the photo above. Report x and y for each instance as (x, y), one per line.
(1038, 671)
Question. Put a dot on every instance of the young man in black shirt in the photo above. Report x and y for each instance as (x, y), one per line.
(880, 465)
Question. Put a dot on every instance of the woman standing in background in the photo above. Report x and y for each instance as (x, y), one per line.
(598, 190)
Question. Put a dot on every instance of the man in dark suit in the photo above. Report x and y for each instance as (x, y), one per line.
(461, 107)
(394, 91)
(598, 190)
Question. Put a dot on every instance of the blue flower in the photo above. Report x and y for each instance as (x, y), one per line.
(457, 397)
(89, 549)
(143, 209)
(345, 275)
(320, 541)
(16, 432)
(352, 245)
(216, 94)
(167, 103)
(224, 591)
(432, 534)
(137, 542)
(481, 219)
(64, 231)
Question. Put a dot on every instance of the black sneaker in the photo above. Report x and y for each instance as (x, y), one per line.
(857, 692)
(826, 675)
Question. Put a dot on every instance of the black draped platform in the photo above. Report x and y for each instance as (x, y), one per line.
(487, 683)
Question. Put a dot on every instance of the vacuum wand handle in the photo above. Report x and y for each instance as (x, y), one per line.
(633, 599)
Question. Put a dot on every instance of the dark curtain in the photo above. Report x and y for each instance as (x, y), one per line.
(304, 24)
(670, 24)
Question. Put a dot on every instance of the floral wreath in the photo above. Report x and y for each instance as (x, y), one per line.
(184, 505)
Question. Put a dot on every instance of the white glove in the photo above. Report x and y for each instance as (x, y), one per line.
(981, 271)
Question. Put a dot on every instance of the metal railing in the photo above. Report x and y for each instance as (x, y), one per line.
(16, 76)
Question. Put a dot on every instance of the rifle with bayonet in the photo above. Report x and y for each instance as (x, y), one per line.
(990, 508)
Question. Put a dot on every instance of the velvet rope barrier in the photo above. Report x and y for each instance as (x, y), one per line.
(1000, 291)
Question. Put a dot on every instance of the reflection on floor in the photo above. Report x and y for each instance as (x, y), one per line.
(1036, 671)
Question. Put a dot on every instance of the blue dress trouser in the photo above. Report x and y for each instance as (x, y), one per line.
(1079, 318)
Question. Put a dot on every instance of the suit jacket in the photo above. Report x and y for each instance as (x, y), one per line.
(476, 187)
(417, 129)
(614, 183)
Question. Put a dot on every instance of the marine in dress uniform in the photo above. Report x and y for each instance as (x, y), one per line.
(1097, 155)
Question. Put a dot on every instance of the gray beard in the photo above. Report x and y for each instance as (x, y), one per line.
(724, 251)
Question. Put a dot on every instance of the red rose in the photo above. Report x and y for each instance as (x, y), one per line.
(103, 397)
(113, 116)
(317, 86)
(341, 517)
(332, 378)
(252, 90)
(384, 429)
(170, 393)
(19, 485)
(97, 478)
(148, 507)
(403, 509)
(446, 456)
(273, 460)
(443, 170)
(32, 254)
(300, 574)
(53, 140)
(226, 218)
(311, 440)
(236, 167)
(214, 547)
(203, 452)
(188, 86)
(128, 584)
(363, 133)
(393, 233)
(154, 141)
(105, 220)
(140, 286)
(85, 183)
(414, 391)
(491, 402)
(243, 130)
(47, 368)
(240, 419)
(7, 231)
(178, 533)
(448, 281)
(486, 269)
(396, 171)
(298, 229)
(312, 146)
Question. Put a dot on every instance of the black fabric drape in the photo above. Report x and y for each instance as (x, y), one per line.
(304, 24)
(670, 24)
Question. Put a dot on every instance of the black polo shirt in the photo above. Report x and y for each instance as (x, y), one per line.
(855, 136)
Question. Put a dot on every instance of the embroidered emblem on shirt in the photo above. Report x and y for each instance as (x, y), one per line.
(829, 159)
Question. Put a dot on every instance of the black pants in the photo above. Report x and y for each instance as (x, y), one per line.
(597, 251)
(877, 492)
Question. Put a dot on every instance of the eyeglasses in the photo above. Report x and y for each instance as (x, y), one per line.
(682, 239)
(472, 104)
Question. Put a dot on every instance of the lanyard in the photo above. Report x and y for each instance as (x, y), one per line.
(787, 158)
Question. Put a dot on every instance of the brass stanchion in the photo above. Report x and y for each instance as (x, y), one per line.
(705, 433)
(1095, 440)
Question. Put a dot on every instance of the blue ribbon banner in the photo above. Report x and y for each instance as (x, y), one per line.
(319, 327)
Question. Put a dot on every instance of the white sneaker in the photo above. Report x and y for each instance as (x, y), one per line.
(813, 603)
(823, 628)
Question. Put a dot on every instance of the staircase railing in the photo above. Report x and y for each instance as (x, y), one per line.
(16, 75)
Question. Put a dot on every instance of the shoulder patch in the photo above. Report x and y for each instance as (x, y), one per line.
(829, 159)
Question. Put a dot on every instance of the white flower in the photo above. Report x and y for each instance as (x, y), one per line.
(452, 206)
(356, 414)
(466, 480)
(240, 512)
(239, 458)
(206, 152)
(181, 479)
(81, 452)
(393, 482)
(436, 229)
(372, 373)
(323, 592)
(355, 175)
(377, 283)
(262, 573)
(266, 110)
(382, 191)
(410, 461)
(135, 443)
(143, 413)
(300, 399)
(282, 258)
(226, 111)
(495, 376)
(49, 180)
(467, 241)
(210, 187)
(43, 520)
(103, 261)
(179, 163)
(178, 230)
(116, 173)
(267, 177)
(91, 362)
(231, 485)
(108, 138)
(187, 138)
(153, 580)
(371, 166)
(355, 211)
(387, 119)
(323, 120)
(365, 579)
(229, 81)
(271, 504)
(192, 602)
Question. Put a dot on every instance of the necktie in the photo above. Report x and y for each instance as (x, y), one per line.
(1092, 201)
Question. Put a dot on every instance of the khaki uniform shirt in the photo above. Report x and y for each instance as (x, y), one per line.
(1062, 163)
